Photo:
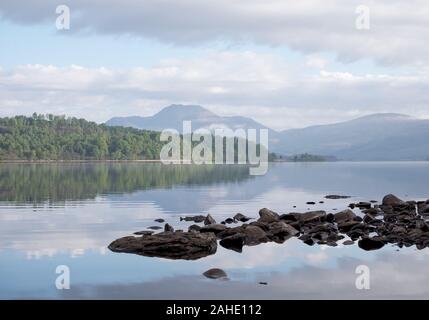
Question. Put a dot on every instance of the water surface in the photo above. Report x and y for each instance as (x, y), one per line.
(67, 214)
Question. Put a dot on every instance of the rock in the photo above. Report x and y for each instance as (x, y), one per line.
(168, 228)
(263, 283)
(336, 197)
(311, 203)
(194, 228)
(347, 225)
(143, 233)
(170, 245)
(289, 217)
(215, 273)
(280, 228)
(209, 220)
(154, 227)
(241, 217)
(215, 228)
(369, 244)
(348, 242)
(254, 235)
(234, 242)
(266, 215)
(159, 220)
(363, 205)
(345, 215)
(392, 200)
(229, 220)
(312, 216)
(196, 219)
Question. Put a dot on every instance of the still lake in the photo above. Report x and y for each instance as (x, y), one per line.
(67, 214)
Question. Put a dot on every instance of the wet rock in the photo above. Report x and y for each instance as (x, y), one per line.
(168, 228)
(159, 220)
(194, 228)
(312, 216)
(289, 217)
(215, 273)
(280, 231)
(266, 215)
(196, 219)
(229, 220)
(209, 220)
(143, 233)
(311, 203)
(369, 244)
(215, 228)
(336, 197)
(155, 227)
(347, 225)
(392, 200)
(348, 242)
(254, 235)
(170, 245)
(241, 217)
(363, 205)
(234, 242)
(263, 283)
(345, 215)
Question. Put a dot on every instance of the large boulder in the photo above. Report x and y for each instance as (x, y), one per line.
(266, 215)
(170, 245)
(392, 200)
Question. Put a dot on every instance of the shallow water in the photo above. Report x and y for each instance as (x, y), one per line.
(67, 214)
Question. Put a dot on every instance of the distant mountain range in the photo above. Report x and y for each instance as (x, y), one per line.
(384, 136)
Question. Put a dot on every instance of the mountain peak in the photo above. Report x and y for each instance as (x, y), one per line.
(384, 117)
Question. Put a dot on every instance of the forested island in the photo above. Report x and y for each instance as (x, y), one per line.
(51, 137)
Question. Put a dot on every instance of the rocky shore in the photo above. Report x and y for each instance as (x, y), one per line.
(394, 221)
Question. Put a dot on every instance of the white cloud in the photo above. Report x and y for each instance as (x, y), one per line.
(397, 35)
(261, 86)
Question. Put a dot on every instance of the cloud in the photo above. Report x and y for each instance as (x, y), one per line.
(262, 86)
(397, 34)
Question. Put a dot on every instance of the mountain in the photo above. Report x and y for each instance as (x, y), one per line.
(172, 117)
(385, 136)
(377, 137)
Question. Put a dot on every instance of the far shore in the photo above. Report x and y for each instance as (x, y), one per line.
(183, 162)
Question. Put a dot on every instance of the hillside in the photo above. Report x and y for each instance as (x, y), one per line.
(58, 138)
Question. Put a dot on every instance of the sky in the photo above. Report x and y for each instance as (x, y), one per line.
(284, 63)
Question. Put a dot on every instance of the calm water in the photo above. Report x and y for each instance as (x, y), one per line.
(68, 214)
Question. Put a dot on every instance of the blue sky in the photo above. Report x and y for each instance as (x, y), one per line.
(285, 64)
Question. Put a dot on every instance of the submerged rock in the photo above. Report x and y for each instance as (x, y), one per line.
(159, 220)
(170, 245)
(215, 273)
(336, 197)
(154, 227)
(196, 219)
